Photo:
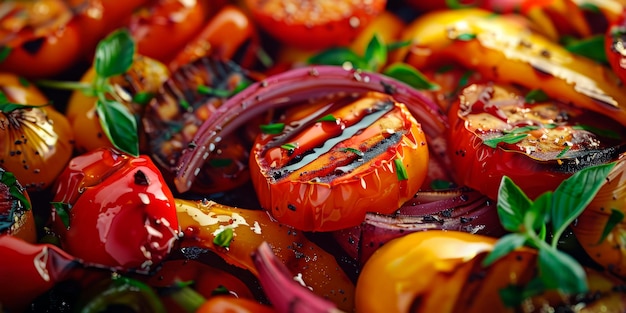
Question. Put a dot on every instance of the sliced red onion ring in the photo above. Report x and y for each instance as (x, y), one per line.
(292, 88)
(456, 209)
(284, 292)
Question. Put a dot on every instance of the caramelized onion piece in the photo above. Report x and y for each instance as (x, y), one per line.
(293, 87)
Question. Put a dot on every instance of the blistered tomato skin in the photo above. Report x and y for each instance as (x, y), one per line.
(115, 210)
(328, 168)
(615, 46)
(35, 143)
(40, 37)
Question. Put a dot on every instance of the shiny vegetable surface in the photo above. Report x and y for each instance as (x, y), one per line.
(131, 231)
(16, 215)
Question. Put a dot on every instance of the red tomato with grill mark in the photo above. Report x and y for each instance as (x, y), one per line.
(314, 24)
(338, 159)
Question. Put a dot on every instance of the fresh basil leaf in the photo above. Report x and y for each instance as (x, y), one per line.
(615, 218)
(506, 138)
(400, 170)
(20, 196)
(327, 118)
(4, 53)
(536, 95)
(143, 97)
(591, 47)
(63, 211)
(608, 133)
(560, 271)
(573, 195)
(563, 152)
(24, 81)
(119, 125)
(375, 53)
(114, 54)
(511, 295)
(354, 150)
(398, 44)
(339, 56)
(409, 75)
(272, 129)
(512, 205)
(504, 246)
(289, 146)
(441, 184)
(224, 238)
(520, 130)
(537, 215)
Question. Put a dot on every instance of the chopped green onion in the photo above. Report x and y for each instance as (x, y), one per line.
(275, 128)
(289, 146)
(401, 170)
(224, 238)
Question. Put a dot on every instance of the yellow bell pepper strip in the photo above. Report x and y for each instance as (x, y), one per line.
(235, 233)
(504, 50)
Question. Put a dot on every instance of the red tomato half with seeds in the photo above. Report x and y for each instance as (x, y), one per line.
(314, 24)
(496, 130)
(338, 159)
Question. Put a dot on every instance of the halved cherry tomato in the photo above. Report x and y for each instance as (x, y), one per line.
(172, 21)
(505, 50)
(114, 210)
(615, 46)
(337, 159)
(38, 38)
(181, 105)
(228, 33)
(142, 79)
(223, 304)
(495, 131)
(16, 214)
(203, 221)
(35, 142)
(441, 271)
(314, 24)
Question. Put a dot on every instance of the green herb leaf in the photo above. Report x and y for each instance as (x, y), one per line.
(8, 179)
(535, 96)
(114, 54)
(615, 218)
(220, 290)
(398, 44)
(339, 56)
(289, 146)
(563, 151)
(504, 246)
(206, 90)
(521, 130)
(119, 125)
(440, 184)
(400, 170)
(465, 37)
(224, 238)
(574, 194)
(327, 118)
(272, 129)
(355, 151)
(143, 97)
(23, 81)
(63, 211)
(375, 53)
(512, 205)
(591, 47)
(506, 138)
(409, 75)
(560, 271)
(608, 133)
(535, 217)
(4, 53)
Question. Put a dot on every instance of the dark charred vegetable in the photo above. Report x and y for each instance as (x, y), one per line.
(115, 210)
(171, 120)
(16, 214)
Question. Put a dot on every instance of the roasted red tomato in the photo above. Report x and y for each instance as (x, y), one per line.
(36, 141)
(176, 21)
(181, 105)
(114, 210)
(323, 167)
(615, 46)
(16, 214)
(314, 24)
(230, 34)
(134, 89)
(37, 38)
(451, 261)
(497, 131)
(223, 304)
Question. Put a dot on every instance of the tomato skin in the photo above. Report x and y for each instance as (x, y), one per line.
(537, 162)
(313, 196)
(177, 20)
(42, 37)
(121, 212)
(314, 25)
(228, 31)
(38, 142)
(224, 304)
(202, 220)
